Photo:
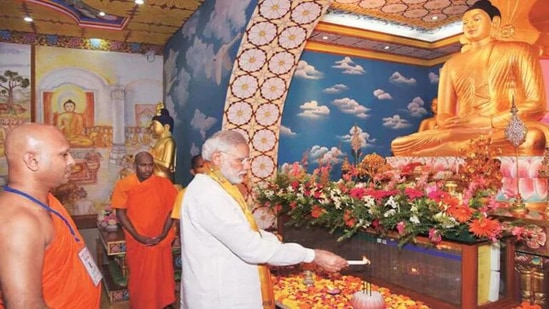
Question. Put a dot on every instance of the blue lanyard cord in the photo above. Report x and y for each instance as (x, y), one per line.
(48, 208)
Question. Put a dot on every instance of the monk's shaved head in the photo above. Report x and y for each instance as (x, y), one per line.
(28, 137)
(144, 165)
(142, 155)
(33, 147)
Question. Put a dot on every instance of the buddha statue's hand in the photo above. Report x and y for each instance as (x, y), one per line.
(480, 122)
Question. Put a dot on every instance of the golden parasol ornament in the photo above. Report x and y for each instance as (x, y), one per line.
(516, 130)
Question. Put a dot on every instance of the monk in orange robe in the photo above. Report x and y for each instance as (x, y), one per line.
(143, 203)
(44, 262)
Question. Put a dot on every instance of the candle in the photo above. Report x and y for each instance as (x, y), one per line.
(364, 261)
(356, 262)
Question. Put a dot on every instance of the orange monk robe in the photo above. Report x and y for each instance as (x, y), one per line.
(151, 274)
(65, 281)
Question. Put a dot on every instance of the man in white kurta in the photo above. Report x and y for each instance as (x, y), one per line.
(220, 251)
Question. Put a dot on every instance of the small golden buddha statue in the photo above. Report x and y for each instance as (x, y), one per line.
(430, 123)
(476, 91)
(163, 150)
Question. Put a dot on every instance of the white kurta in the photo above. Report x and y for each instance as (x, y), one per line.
(220, 251)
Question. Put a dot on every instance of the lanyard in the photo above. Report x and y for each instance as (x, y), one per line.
(46, 207)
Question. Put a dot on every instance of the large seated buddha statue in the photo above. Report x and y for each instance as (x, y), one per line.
(476, 92)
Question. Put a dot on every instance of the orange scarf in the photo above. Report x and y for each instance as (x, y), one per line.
(267, 293)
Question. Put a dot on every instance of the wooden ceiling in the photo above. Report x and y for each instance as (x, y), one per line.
(155, 21)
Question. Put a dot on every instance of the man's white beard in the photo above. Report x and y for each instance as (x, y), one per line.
(228, 172)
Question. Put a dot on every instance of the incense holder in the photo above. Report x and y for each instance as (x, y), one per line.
(367, 300)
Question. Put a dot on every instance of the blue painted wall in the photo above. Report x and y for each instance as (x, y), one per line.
(196, 74)
(330, 94)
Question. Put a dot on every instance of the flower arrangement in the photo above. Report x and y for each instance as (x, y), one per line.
(404, 203)
(106, 219)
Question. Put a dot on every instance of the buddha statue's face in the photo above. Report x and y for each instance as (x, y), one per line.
(157, 128)
(476, 25)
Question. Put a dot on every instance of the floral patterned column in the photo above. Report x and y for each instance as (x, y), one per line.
(264, 66)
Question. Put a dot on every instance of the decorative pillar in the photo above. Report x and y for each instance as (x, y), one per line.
(118, 151)
(533, 272)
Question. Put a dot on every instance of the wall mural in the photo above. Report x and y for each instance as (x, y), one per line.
(198, 62)
(101, 101)
(334, 97)
(15, 93)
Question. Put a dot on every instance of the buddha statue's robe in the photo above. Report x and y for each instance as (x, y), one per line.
(72, 126)
(478, 87)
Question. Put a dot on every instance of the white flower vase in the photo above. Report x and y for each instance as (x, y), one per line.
(367, 300)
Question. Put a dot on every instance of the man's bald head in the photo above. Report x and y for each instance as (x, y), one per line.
(144, 165)
(142, 155)
(32, 146)
(29, 137)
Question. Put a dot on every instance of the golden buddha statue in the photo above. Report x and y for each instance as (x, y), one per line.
(430, 123)
(477, 89)
(163, 150)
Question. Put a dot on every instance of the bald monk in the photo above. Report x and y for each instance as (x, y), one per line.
(143, 203)
(476, 91)
(44, 262)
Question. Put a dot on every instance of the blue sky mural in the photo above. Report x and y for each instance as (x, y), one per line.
(330, 94)
(198, 63)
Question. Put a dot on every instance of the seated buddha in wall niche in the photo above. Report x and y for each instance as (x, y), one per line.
(73, 125)
(476, 90)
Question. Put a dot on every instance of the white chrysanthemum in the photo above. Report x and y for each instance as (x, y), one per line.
(292, 37)
(389, 213)
(391, 202)
(369, 200)
(267, 114)
(306, 13)
(414, 219)
(251, 60)
(262, 33)
(274, 9)
(268, 193)
(446, 221)
(239, 113)
(244, 86)
(281, 62)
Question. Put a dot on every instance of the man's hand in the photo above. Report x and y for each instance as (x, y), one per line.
(329, 261)
(147, 241)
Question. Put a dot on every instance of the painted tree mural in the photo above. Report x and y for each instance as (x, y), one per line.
(9, 81)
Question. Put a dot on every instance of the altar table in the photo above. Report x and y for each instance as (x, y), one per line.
(328, 291)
